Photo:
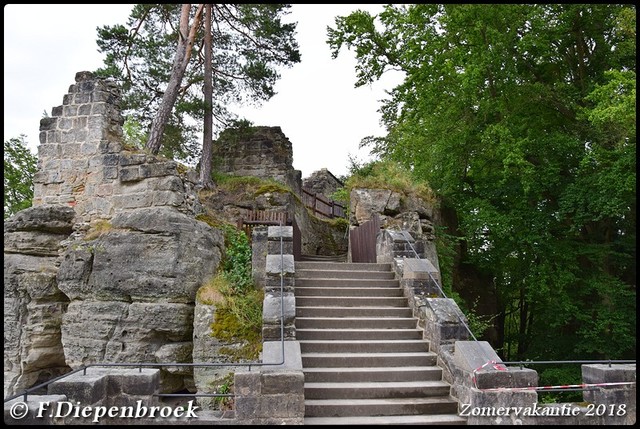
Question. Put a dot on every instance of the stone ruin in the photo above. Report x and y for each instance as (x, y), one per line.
(322, 182)
(104, 267)
(264, 152)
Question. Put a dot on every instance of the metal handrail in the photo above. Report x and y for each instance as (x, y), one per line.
(141, 365)
(437, 285)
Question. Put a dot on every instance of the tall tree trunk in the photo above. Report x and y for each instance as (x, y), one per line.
(207, 138)
(181, 60)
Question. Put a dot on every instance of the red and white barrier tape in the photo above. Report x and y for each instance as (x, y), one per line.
(496, 366)
(500, 367)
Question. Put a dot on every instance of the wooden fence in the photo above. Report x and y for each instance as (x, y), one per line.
(321, 206)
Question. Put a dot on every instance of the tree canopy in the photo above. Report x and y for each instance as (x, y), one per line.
(19, 168)
(249, 43)
(521, 117)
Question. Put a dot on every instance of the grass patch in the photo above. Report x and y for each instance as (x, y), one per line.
(249, 185)
(237, 319)
(386, 175)
(98, 229)
(238, 314)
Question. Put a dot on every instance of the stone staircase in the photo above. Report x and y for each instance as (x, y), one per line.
(363, 357)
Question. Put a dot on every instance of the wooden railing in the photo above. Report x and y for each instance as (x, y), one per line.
(270, 218)
(261, 217)
(322, 206)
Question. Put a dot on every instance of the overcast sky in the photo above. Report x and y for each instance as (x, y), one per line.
(316, 104)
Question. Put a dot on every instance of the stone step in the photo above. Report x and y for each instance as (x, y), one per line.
(357, 334)
(348, 301)
(371, 374)
(353, 312)
(363, 357)
(348, 291)
(363, 346)
(376, 390)
(359, 360)
(323, 258)
(356, 322)
(428, 419)
(348, 283)
(341, 266)
(379, 407)
(343, 274)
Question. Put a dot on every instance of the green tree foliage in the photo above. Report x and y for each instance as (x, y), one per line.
(19, 167)
(249, 43)
(521, 118)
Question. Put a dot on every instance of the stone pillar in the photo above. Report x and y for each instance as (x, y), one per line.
(259, 254)
(419, 280)
(269, 397)
(279, 297)
(443, 322)
(476, 367)
(613, 404)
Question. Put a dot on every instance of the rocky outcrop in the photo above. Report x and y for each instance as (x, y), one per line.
(132, 289)
(105, 267)
(397, 211)
(33, 303)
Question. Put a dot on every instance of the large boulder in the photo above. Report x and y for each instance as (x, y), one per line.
(133, 288)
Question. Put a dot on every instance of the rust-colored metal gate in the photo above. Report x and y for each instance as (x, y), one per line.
(362, 240)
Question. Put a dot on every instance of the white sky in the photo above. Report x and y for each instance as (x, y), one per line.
(316, 104)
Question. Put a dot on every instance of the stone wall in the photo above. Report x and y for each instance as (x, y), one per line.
(322, 182)
(263, 152)
(82, 164)
(119, 279)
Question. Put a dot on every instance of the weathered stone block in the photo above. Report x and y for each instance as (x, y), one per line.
(280, 264)
(158, 169)
(135, 381)
(167, 198)
(247, 383)
(130, 174)
(275, 233)
(274, 383)
(87, 389)
(277, 247)
(272, 308)
(132, 201)
(273, 332)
